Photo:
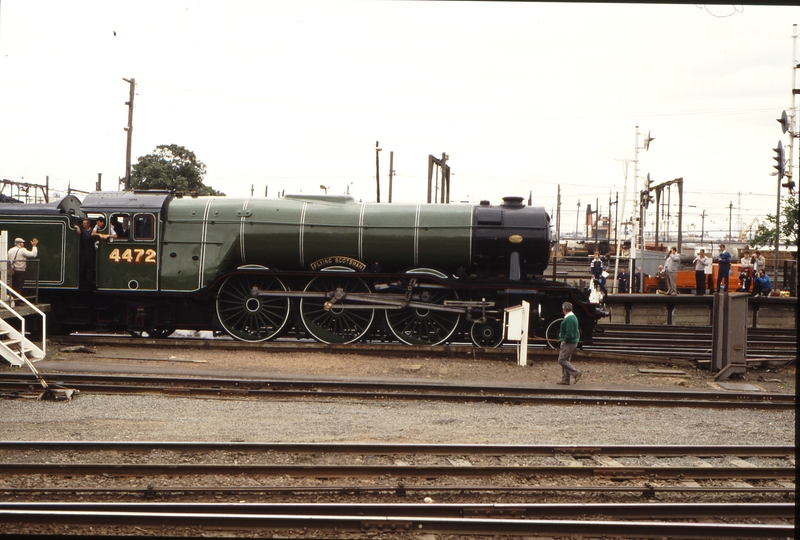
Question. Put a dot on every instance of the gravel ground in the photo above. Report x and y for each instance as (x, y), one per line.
(95, 417)
(122, 417)
(142, 418)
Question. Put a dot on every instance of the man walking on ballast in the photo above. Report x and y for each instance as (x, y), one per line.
(568, 335)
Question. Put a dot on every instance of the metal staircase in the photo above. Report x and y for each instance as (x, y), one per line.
(17, 349)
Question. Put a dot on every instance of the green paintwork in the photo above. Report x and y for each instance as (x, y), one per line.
(204, 237)
(210, 236)
(182, 248)
(445, 235)
(330, 230)
(127, 264)
(57, 249)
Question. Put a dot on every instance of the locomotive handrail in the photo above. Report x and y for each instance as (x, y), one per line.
(6, 289)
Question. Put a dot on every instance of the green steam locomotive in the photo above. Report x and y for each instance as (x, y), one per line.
(324, 267)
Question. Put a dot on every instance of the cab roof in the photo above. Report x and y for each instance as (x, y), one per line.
(132, 201)
(69, 204)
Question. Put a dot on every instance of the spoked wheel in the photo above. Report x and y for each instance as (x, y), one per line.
(329, 321)
(247, 316)
(487, 334)
(552, 333)
(419, 325)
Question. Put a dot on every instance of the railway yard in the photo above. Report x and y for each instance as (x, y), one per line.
(189, 437)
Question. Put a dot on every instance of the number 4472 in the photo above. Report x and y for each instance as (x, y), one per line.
(134, 256)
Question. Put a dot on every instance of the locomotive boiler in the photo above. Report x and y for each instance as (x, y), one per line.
(325, 267)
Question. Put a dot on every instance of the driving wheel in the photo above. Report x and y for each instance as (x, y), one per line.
(329, 318)
(247, 316)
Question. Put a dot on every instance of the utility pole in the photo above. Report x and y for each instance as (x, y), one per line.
(558, 232)
(730, 216)
(99, 178)
(615, 204)
(577, 221)
(596, 223)
(391, 173)
(703, 227)
(638, 238)
(377, 172)
(625, 163)
(129, 129)
(788, 125)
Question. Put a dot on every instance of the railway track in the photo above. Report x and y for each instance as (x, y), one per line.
(22, 384)
(409, 520)
(685, 343)
(469, 483)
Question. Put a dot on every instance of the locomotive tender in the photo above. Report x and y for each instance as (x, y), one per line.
(324, 266)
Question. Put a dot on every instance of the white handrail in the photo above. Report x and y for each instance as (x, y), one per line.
(15, 294)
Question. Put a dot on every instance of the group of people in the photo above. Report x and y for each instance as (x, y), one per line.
(752, 274)
(599, 269)
(89, 234)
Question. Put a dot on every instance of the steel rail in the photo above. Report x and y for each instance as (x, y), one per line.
(426, 471)
(636, 450)
(273, 389)
(151, 492)
(625, 333)
(454, 398)
(680, 511)
(402, 524)
(410, 390)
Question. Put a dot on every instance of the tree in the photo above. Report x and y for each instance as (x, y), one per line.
(171, 167)
(765, 234)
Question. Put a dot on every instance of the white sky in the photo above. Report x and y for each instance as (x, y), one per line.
(291, 95)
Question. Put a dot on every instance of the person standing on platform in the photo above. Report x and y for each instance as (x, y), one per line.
(661, 276)
(700, 262)
(672, 264)
(596, 268)
(604, 276)
(568, 335)
(622, 280)
(638, 276)
(759, 263)
(724, 270)
(18, 257)
(745, 271)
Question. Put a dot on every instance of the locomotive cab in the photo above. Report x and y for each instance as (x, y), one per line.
(130, 261)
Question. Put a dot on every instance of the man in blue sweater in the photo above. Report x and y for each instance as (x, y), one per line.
(568, 335)
(724, 270)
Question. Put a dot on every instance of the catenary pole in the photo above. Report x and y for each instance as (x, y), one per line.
(129, 129)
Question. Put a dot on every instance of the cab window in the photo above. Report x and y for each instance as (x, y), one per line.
(144, 226)
(93, 217)
(120, 225)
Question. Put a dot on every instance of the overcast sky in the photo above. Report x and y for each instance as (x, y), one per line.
(523, 97)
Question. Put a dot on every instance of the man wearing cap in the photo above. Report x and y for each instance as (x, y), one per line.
(18, 257)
